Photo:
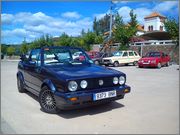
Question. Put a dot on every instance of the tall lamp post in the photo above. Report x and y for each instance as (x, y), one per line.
(110, 27)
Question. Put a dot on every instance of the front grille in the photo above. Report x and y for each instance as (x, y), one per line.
(93, 83)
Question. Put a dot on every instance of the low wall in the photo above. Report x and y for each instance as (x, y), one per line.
(172, 50)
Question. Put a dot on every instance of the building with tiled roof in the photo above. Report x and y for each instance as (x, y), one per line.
(154, 22)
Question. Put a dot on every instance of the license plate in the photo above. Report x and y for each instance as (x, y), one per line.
(103, 95)
(145, 63)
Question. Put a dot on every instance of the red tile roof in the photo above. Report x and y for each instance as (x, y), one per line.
(154, 14)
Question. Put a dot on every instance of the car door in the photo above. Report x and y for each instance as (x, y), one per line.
(131, 57)
(124, 58)
(32, 70)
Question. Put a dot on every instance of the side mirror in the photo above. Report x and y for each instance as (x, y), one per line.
(23, 57)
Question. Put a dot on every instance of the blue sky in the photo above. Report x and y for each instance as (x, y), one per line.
(33, 19)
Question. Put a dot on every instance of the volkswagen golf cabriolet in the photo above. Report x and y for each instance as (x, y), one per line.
(62, 81)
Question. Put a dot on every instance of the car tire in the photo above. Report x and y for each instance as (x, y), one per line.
(47, 101)
(167, 64)
(135, 63)
(20, 85)
(116, 64)
(96, 62)
(159, 65)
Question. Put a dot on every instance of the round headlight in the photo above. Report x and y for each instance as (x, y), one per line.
(122, 80)
(72, 86)
(115, 80)
(84, 84)
(101, 82)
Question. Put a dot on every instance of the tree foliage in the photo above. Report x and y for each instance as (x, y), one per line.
(102, 25)
(10, 51)
(172, 27)
(24, 47)
(123, 32)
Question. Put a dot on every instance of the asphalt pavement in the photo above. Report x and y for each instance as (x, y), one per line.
(151, 107)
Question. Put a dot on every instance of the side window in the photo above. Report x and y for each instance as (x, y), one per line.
(125, 54)
(131, 54)
(35, 56)
(135, 53)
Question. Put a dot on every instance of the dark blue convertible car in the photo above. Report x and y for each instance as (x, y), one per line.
(66, 78)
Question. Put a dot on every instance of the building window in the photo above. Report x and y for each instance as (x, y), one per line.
(151, 28)
(161, 28)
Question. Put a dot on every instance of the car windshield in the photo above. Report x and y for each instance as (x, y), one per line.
(65, 56)
(153, 54)
(117, 53)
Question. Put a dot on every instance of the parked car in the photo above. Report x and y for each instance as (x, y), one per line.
(62, 82)
(98, 58)
(154, 59)
(122, 57)
(2, 56)
(92, 54)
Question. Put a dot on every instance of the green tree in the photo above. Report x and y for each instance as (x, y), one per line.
(64, 40)
(10, 51)
(24, 47)
(102, 25)
(172, 27)
(4, 48)
(133, 22)
(98, 39)
(123, 32)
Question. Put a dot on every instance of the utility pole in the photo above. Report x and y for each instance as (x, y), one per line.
(110, 31)
(110, 27)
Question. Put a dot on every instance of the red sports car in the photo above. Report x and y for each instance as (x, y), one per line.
(154, 59)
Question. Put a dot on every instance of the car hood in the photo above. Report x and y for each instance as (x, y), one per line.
(149, 58)
(83, 72)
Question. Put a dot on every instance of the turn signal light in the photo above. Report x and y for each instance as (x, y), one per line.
(73, 99)
(126, 90)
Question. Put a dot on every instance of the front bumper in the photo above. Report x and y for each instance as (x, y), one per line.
(85, 98)
(147, 64)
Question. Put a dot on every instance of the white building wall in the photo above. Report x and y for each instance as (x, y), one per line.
(155, 22)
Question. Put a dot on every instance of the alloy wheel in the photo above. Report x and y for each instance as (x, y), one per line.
(47, 101)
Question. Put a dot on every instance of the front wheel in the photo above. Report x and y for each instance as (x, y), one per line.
(167, 64)
(20, 85)
(159, 65)
(47, 101)
(96, 62)
(116, 64)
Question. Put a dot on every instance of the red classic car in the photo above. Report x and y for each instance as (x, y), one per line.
(154, 59)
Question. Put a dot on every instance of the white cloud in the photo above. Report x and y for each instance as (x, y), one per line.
(99, 16)
(34, 25)
(71, 15)
(7, 18)
(124, 12)
(165, 6)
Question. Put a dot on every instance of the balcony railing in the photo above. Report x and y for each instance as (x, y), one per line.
(154, 42)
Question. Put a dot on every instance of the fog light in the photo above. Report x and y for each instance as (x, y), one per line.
(73, 98)
(126, 90)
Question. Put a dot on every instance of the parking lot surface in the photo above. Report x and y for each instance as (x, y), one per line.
(151, 107)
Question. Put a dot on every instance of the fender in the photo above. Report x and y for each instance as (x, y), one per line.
(49, 83)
